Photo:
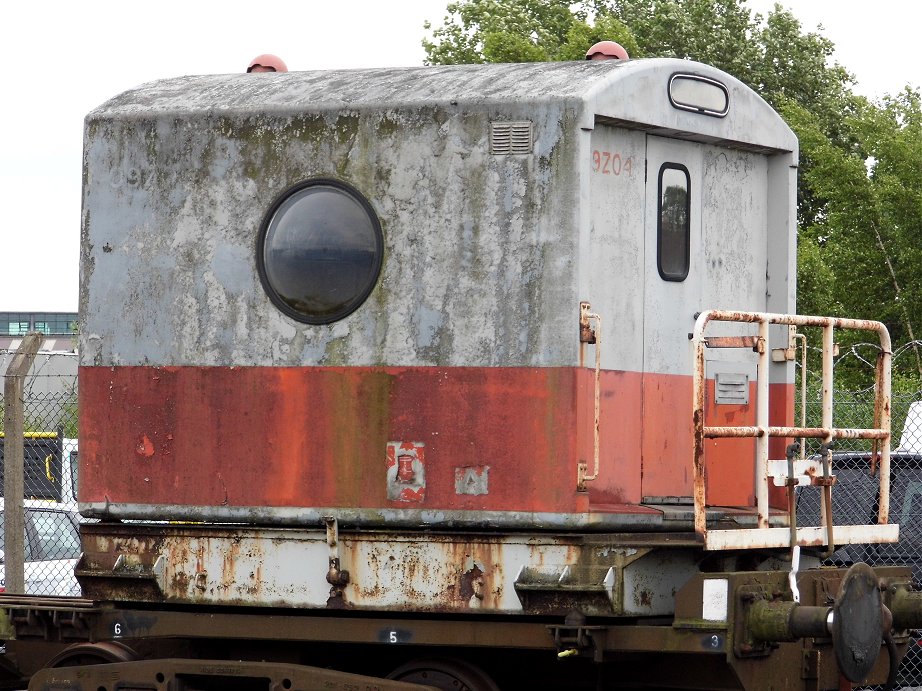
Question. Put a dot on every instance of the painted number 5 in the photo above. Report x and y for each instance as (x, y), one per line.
(392, 637)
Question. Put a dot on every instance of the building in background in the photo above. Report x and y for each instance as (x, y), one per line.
(51, 388)
(60, 329)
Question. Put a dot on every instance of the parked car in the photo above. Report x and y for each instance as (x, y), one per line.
(855, 501)
(52, 547)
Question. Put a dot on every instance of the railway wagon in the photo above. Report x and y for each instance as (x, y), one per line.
(472, 376)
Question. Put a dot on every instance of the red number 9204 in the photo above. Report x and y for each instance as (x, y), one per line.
(609, 163)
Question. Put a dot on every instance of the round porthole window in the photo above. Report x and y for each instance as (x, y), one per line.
(319, 251)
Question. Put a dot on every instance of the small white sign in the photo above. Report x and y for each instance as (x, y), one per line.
(714, 605)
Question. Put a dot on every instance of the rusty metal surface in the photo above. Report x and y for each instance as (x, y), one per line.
(407, 571)
(43, 602)
(759, 664)
(705, 640)
(731, 341)
(588, 317)
(599, 518)
(494, 446)
(158, 632)
(857, 626)
(171, 674)
(810, 432)
(763, 430)
(806, 536)
(437, 405)
(173, 449)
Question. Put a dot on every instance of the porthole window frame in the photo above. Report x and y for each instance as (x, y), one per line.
(698, 108)
(670, 276)
(274, 297)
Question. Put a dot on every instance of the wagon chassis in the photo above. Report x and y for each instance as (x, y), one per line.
(47, 634)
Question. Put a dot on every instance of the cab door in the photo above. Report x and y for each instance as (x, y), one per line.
(705, 248)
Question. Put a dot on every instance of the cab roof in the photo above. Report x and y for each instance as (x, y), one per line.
(632, 93)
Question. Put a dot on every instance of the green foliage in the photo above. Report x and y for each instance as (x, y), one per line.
(870, 194)
(716, 32)
(478, 31)
(70, 417)
(606, 27)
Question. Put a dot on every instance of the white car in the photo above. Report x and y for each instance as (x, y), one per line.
(52, 548)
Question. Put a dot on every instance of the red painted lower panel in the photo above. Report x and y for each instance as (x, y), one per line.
(668, 436)
(461, 439)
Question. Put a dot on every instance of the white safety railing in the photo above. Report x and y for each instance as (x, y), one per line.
(792, 471)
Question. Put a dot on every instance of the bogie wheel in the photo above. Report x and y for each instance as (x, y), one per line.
(448, 674)
(93, 654)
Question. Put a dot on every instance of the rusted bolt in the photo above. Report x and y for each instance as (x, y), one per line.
(586, 332)
(335, 576)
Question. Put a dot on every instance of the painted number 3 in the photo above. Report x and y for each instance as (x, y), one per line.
(609, 163)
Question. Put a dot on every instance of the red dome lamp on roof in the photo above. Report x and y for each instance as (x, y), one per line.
(607, 50)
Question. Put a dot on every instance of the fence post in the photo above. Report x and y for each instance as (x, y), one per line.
(14, 527)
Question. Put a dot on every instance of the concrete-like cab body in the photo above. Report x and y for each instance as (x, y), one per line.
(457, 391)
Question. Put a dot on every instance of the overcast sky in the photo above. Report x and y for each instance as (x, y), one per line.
(65, 58)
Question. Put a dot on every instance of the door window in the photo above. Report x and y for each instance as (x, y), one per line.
(674, 226)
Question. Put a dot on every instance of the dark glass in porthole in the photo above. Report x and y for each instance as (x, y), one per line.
(674, 223)
(319, 251)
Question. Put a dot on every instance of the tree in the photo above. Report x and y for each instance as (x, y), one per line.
(716, 32)
(865, 243)
(479, 31)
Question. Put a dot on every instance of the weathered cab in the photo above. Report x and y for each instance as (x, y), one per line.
(359, 293)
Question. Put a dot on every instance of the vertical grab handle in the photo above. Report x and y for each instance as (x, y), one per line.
(588, 334)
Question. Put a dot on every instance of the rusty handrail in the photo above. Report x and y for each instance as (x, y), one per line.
(594, 336)
(808, 432)
(762, 431)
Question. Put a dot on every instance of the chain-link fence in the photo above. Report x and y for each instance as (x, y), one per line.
(48, 414)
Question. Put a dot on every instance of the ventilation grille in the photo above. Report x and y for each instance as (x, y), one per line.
(732, 388)
(511, 138)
